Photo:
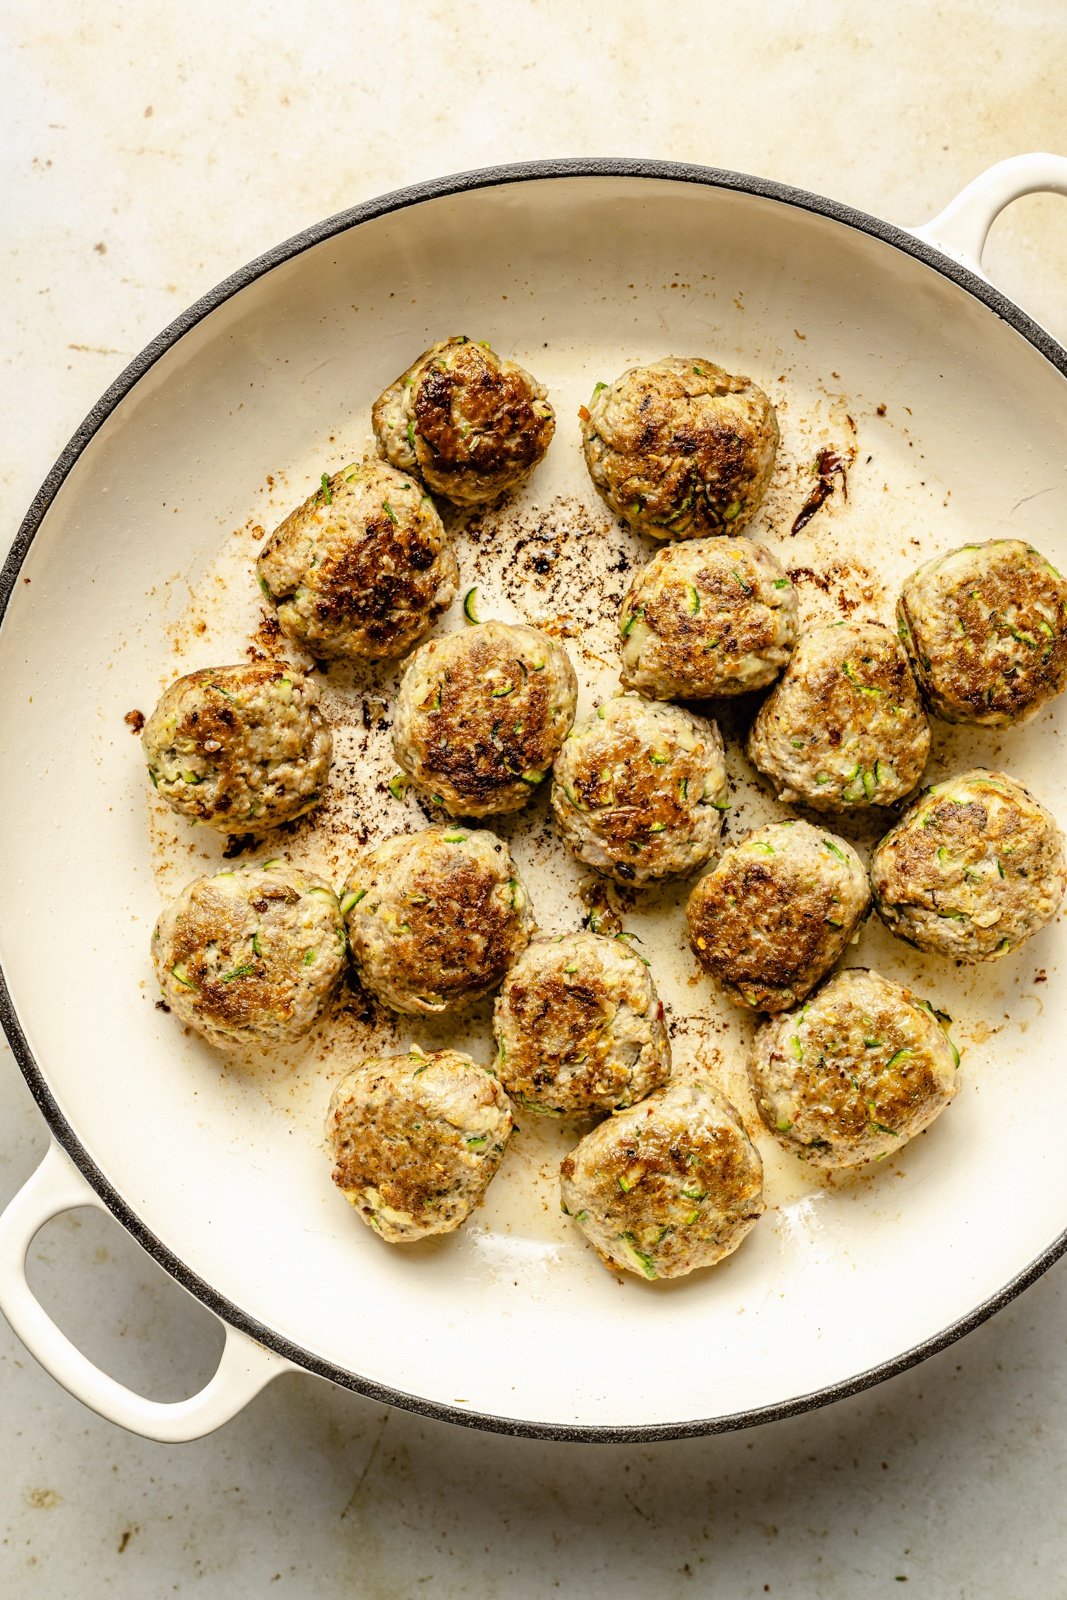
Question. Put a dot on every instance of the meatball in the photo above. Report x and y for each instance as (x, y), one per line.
(986, 629)
(844, 725)
(363, 568)
(579, 1026)
(855, 1073)
(971, 870)
(436, 918)
(241, 748)
(470, 424)
(714, 617)
(669, 1185)
(639, 790)
(680, 448)
(251, 956)
(416, 1139)
(480, 716)
(776, 913)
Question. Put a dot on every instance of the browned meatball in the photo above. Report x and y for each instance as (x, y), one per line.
(666, 1186)
(639, 790)
(708, 618)
(860, 1069)
(681, 448)
(240, 748)
(973, 869)
(363, 568)
(416, 1139)
(251, 955)
(579, 1026)
(480, 716)
(843, 727)
(776, 913)
(470, 424)
(986, 629)
(436, 918)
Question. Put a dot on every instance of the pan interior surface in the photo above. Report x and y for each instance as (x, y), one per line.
(141, 569)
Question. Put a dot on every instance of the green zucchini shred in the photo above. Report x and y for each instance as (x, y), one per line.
(238, 972)
(641, 1259)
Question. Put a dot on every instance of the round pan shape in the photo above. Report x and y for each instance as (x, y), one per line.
(578, 269)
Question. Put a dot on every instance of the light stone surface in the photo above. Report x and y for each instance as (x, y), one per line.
(147, 152)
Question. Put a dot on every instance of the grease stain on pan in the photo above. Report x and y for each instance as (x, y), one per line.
(553, 556)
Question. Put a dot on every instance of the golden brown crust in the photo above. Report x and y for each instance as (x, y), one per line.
(861, 1068)
(474, 412)
(437, 917)
(639, 789)
(416, 1140)
(630, 813)
(666, 1186)
(973, 869)
(362, 568)
(461, 926)
(482, 715)
(712, 628)
(250, 955)
(239, 747)
(681, 448)
(769, 922)
(471, 424)
(213, 918)
(657, 1162)
(212, 727)
(844, 725)
(986, 629)
(579, 1026)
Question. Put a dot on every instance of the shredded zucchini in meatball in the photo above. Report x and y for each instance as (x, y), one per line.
(416, 1140)
(860, 1069)
(972, 870)
(471, 424)
(680, 448)
(669, 1185)
(480, 716)
(985, 627)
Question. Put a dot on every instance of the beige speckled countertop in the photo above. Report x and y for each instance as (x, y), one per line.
(148, 151)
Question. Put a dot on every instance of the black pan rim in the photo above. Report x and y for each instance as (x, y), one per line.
(61, 1130)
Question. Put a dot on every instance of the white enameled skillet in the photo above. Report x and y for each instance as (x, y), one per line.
(955, 403)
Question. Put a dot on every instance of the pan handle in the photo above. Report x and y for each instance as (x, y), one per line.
(243, 1370)
(962, 228)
